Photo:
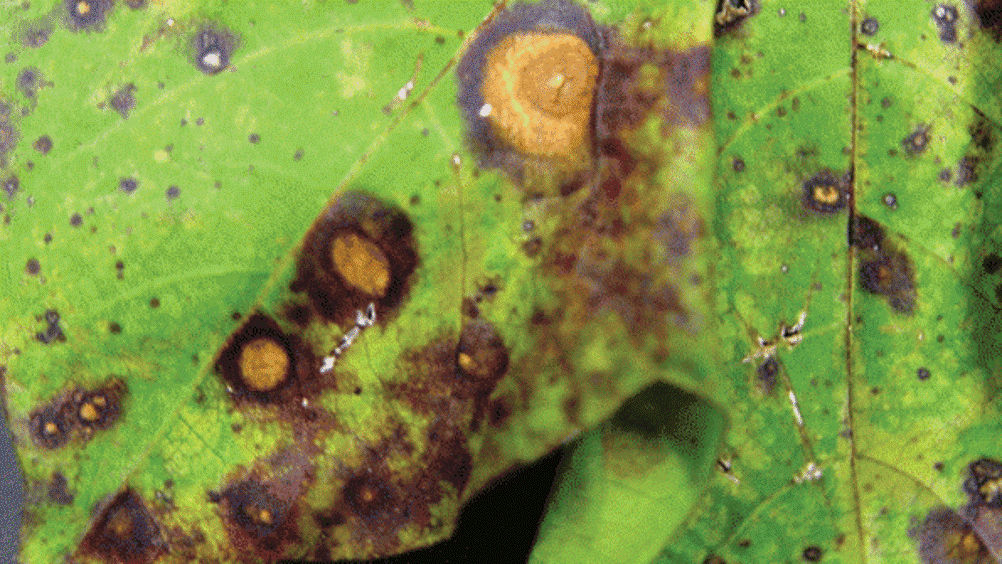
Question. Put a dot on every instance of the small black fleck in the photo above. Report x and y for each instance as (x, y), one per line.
(115, 328)
(76, 220)
(812, 554)
(739, 165)
(154, 303)
(298, 155)
(254, 138)
(992, 263)
(33, 267)
(173, 192)
(891, 201)
(767, 372)
(945, 175)
(869, 26)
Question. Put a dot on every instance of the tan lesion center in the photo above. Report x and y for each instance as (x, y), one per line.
(361, 263)
(540, 88)
(826, 194)
(264, 364)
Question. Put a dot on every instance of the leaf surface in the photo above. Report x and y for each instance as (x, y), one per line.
(267, 295)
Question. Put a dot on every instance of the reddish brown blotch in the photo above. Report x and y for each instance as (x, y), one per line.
(360, 250)
(124, 532)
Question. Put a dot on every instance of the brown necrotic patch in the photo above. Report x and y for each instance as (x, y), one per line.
(372, 498)
(984, 483)
(80, 412)
(767, 373)
(945, 536)
(360, 251)
(262, 363)
(825, 193)
(732, 13)
(58, 490)
(124, 531)
(51, 425)
(945, 18)
(258, 517)
(99, 409)
(526, 86)
(454, 379)
(884, 269)
(124, 100)
(87, 14)
(916, 141)
(989, 13)
(212, 47)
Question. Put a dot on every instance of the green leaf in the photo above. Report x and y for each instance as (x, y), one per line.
(626, 485)
(209, 197)
(863, 377)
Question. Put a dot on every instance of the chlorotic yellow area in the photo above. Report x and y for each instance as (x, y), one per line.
(263, 364)
(362, 264)
(539, 88)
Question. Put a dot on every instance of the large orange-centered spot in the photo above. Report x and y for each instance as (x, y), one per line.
(362, 264)
(538, 89)
(264, 364)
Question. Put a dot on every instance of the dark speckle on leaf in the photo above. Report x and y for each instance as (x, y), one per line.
(29, 80)
(128, 185)
(124, 100)
(52, 331)
(254, 138)
(992, 263)
(43, 144)
(173, 192)
(870, 26)
(33, 267)
(812, 554)
(76, 220)
(8, 139)
(923, 373)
